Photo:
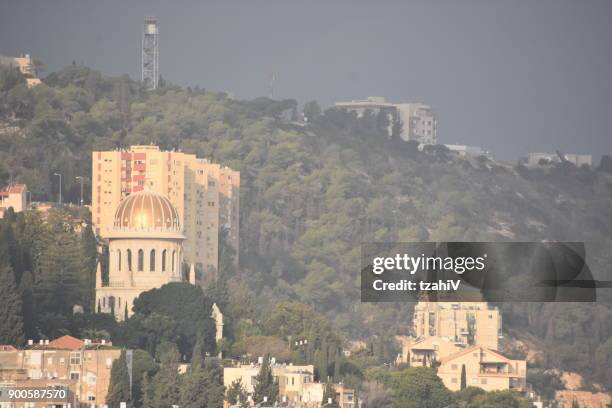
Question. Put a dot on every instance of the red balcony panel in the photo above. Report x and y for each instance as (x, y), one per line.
(137, 178)
(137, 188)
(139, 167)
(126, 156)
(140, 156)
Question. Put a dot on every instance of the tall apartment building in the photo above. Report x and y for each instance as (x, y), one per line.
(464, 323)
(205, 194)
(419, 122)
(81, 367)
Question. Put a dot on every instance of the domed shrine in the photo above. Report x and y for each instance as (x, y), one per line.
(145, 251)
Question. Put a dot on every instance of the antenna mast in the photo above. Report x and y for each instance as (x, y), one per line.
(150, 53)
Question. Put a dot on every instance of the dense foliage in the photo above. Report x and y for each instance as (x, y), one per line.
(310, 194)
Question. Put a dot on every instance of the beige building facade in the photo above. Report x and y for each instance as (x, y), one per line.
(80, 366)
(206, 196)
(296, 383)
(484, 368)
(25, 64)
(462, 323)
(14, 196)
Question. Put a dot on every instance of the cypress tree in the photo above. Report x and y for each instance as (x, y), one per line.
(26, 290)
(199, 352)
(166, 383)
(193, 391)
(89, 260)
(146, 400)
(463, 377)
(329, 393)
(236, 393)
(337, 366)
(119, 386)
(11, 318)
(265, 385)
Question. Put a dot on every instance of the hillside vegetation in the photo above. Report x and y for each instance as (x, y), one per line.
(312, 193)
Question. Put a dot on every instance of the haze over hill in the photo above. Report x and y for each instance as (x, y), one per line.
(512, 77)
(311, 194)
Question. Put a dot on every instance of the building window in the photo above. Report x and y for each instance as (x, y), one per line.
(454, 380)
(74, 376)
(75, 358)
(163, 261)
(173, 260)
(129, 260)
(152, 261)
(453, 366)
(483, 381)
(119, 260)
(140, 260)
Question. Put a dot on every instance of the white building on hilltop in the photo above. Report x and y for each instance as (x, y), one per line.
(418, 121)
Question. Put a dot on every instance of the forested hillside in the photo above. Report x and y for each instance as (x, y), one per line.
(311, 193)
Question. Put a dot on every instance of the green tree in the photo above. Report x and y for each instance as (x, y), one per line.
(312, 110)
(500, 399)
(463, 377)
(119, 386)
(89, 260)
(11, 330)
(236, 393)
(188, 310)
(265, 386)
(418, 387)
(329, 396)
(143, 367)
(61, 283)
(166, 383)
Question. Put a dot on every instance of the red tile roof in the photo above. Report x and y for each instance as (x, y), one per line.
(66, 343)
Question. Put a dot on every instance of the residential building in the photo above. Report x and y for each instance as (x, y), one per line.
(463, 323)
(426, 351)
(80, 366)
(484, 368)
(297, 386)
(14, 196)
(205, 194)
(25, 64)
(465, 151)
(418, 121)
(537, 159)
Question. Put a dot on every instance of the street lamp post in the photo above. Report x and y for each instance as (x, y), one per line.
(60, 187)
(81, 179)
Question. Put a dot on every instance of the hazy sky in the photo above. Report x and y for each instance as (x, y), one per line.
(511, 76)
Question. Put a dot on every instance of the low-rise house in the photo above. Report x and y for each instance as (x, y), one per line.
(484, 368)
(296, 384)
(14, 196)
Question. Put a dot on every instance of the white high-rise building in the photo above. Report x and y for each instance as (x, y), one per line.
(418, 121)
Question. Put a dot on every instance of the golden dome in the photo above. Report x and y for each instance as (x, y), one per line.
(146, 210)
